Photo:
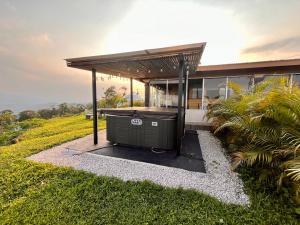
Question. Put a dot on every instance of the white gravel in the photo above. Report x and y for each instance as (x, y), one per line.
(219, 180)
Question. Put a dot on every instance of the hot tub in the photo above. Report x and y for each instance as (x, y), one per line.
(142, 126)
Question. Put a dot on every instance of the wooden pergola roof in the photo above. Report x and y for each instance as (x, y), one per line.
(143, 65)
(238, 69)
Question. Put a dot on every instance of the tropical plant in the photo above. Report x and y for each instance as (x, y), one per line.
(261, 127)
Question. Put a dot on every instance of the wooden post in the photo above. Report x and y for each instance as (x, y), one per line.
(186, 93)
(185, 77)
(180, 115)
(95, 115)
(131, 93)
(147, 94)
(167, 93)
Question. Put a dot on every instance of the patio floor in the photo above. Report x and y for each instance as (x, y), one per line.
(219, 180)
(190, 159)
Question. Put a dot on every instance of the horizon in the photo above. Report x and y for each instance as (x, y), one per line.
(36, 37)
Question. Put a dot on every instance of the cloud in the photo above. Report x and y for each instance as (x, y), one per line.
(3, 49)
(10, 6)
(40, 40)
(287, 44)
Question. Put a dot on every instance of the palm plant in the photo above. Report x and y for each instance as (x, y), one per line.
(265, 125)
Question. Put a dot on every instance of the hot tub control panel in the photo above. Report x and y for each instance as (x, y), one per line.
(154, 124)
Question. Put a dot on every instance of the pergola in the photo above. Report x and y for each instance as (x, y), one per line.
(161, 63)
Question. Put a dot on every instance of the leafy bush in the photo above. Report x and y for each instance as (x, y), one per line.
(6, 118)
(262, 130)
(27, 114)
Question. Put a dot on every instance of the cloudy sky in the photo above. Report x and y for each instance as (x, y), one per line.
(35, 37)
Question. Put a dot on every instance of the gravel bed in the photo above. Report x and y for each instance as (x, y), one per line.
(219, 180)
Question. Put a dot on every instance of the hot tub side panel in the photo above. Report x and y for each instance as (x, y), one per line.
(152, 133)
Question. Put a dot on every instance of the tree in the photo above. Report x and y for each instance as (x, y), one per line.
(47, 113)
(124, 90)
(111, 99)
(63, 109)
(7, 111)
(110, 92)
(27, 114)
(6, 118)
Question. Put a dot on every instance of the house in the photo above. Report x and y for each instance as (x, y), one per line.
(210, 83)
(174, 78)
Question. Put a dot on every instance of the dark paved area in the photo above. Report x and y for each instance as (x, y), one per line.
(190, 158)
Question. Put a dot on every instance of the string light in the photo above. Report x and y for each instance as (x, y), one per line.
(161, 70)
(149, 71)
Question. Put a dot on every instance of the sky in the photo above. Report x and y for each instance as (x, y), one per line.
(36, 37)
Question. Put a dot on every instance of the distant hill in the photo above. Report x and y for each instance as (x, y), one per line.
(19, 107)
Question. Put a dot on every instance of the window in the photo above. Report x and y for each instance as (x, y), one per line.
(163, 93)
(244, 82)
(296, 79)
(214, 89)
(195, 94)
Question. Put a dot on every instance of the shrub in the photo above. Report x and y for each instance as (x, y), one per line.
(7, 118)
(27, 114)
(262, 130)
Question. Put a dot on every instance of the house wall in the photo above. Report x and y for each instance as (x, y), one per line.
(204, 91)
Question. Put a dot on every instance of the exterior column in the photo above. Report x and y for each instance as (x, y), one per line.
(167, 93)
(185, 88)
(226, 88)
(202, 97)
(291, 81)
(180, 113)
(131, 93)
(95, 114)
(147, 94)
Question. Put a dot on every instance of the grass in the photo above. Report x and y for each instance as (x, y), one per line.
(10, 133)
(34, 193)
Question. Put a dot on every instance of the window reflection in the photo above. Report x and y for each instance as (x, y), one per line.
(296, 79)
(214, 89)
(245, 83)
(163, 95)
(260, 78)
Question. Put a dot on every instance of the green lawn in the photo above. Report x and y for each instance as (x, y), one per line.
(34, 193)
